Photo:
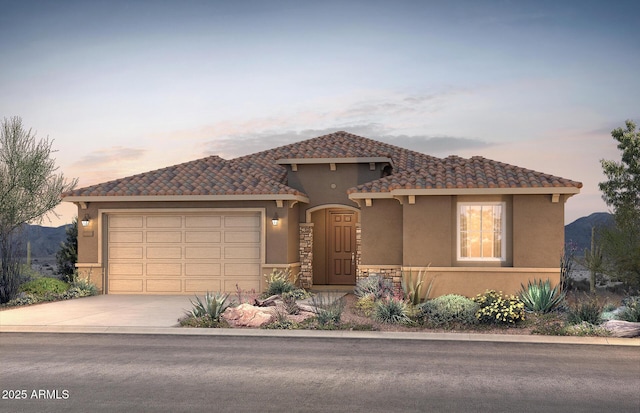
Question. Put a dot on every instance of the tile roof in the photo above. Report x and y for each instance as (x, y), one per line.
(207, 176)
(260, 174)
(455, 172)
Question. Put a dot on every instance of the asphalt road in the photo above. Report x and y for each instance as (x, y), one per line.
(154, 373)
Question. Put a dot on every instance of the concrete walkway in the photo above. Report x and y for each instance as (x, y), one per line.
(159, 314)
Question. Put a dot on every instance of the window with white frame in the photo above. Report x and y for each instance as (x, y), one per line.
(481, 231)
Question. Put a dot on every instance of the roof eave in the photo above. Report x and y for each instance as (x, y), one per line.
(467, 191)
(315, 161)
(186, 198)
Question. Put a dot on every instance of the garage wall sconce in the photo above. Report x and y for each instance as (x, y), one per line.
(275, 219)
(85, 221)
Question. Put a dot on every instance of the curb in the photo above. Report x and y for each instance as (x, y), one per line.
(329, 334)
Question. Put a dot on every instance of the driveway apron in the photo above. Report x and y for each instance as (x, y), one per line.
(102, 311)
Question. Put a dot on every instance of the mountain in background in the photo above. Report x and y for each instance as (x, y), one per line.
(578, 232)
(45, 241)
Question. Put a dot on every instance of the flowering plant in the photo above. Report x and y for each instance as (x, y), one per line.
(496, 308)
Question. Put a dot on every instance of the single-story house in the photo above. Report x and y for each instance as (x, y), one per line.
(332, 209)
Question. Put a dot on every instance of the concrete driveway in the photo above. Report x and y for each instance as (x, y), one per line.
(102, 311)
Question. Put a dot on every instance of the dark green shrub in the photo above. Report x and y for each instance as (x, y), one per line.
(44, 286)
(391, 310)
(496, 308)
(631, 310)
(449, 309)
(588, 309)
(279, 282)
(539, 297)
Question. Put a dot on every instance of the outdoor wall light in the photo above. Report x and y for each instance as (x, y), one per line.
(85, 220)
(275, 219)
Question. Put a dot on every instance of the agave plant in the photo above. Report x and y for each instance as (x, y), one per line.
(538, 296)
(213, 306)
(411, 286)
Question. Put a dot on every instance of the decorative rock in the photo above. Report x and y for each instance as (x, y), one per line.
(624, 329)
(246, 315)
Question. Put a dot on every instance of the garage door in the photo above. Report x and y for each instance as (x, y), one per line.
(183, 253)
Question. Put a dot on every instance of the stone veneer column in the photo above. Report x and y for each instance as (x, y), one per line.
(306, 255)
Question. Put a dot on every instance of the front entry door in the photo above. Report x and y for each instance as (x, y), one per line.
(341, 249)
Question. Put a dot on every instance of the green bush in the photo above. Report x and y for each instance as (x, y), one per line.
(279, 282)
(449, 309)
(539, 297)
(588, 310)
(375, 285)
(329, 311)
(203, 322)
(391, 310)
(296, 294)
(496, 308)
(631, 310)
(44, 286)
(365, 305)
(213, 306)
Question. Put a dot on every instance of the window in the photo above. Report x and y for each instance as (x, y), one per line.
(481, 229)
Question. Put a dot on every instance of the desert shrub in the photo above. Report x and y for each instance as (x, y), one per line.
(586, 329)
(538, 296)
(496, 308)
(329, 311)
(588, 309)
(44, 286)
(297, 294)
(449, 309)
(213, 306)
(281, 322)
(631, 310)
(279, 282)
(83, 287)
(290, 305)
(365, 305)
(391, 310)
(203, 322)
(23, 299)
(375, 285)
(548, 324)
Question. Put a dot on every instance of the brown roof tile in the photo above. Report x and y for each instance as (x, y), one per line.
(460, 173)
(260, 174)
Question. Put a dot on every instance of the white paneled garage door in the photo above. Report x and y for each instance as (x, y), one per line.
(173, 253)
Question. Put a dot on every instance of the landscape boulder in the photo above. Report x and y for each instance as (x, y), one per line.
(246, 315)
(624, 329)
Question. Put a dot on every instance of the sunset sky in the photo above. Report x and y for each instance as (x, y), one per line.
(124, 87)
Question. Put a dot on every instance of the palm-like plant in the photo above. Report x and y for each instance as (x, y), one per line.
(538, 296)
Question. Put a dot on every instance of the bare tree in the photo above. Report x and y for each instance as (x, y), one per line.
(30, 187)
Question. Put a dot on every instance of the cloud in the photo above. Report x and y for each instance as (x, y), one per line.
(109, 157)
(108, 163)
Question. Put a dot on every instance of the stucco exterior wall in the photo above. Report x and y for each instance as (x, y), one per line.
(538, 231)
(324, 186)
(382, 232)
(428, 234)
(465, 281)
